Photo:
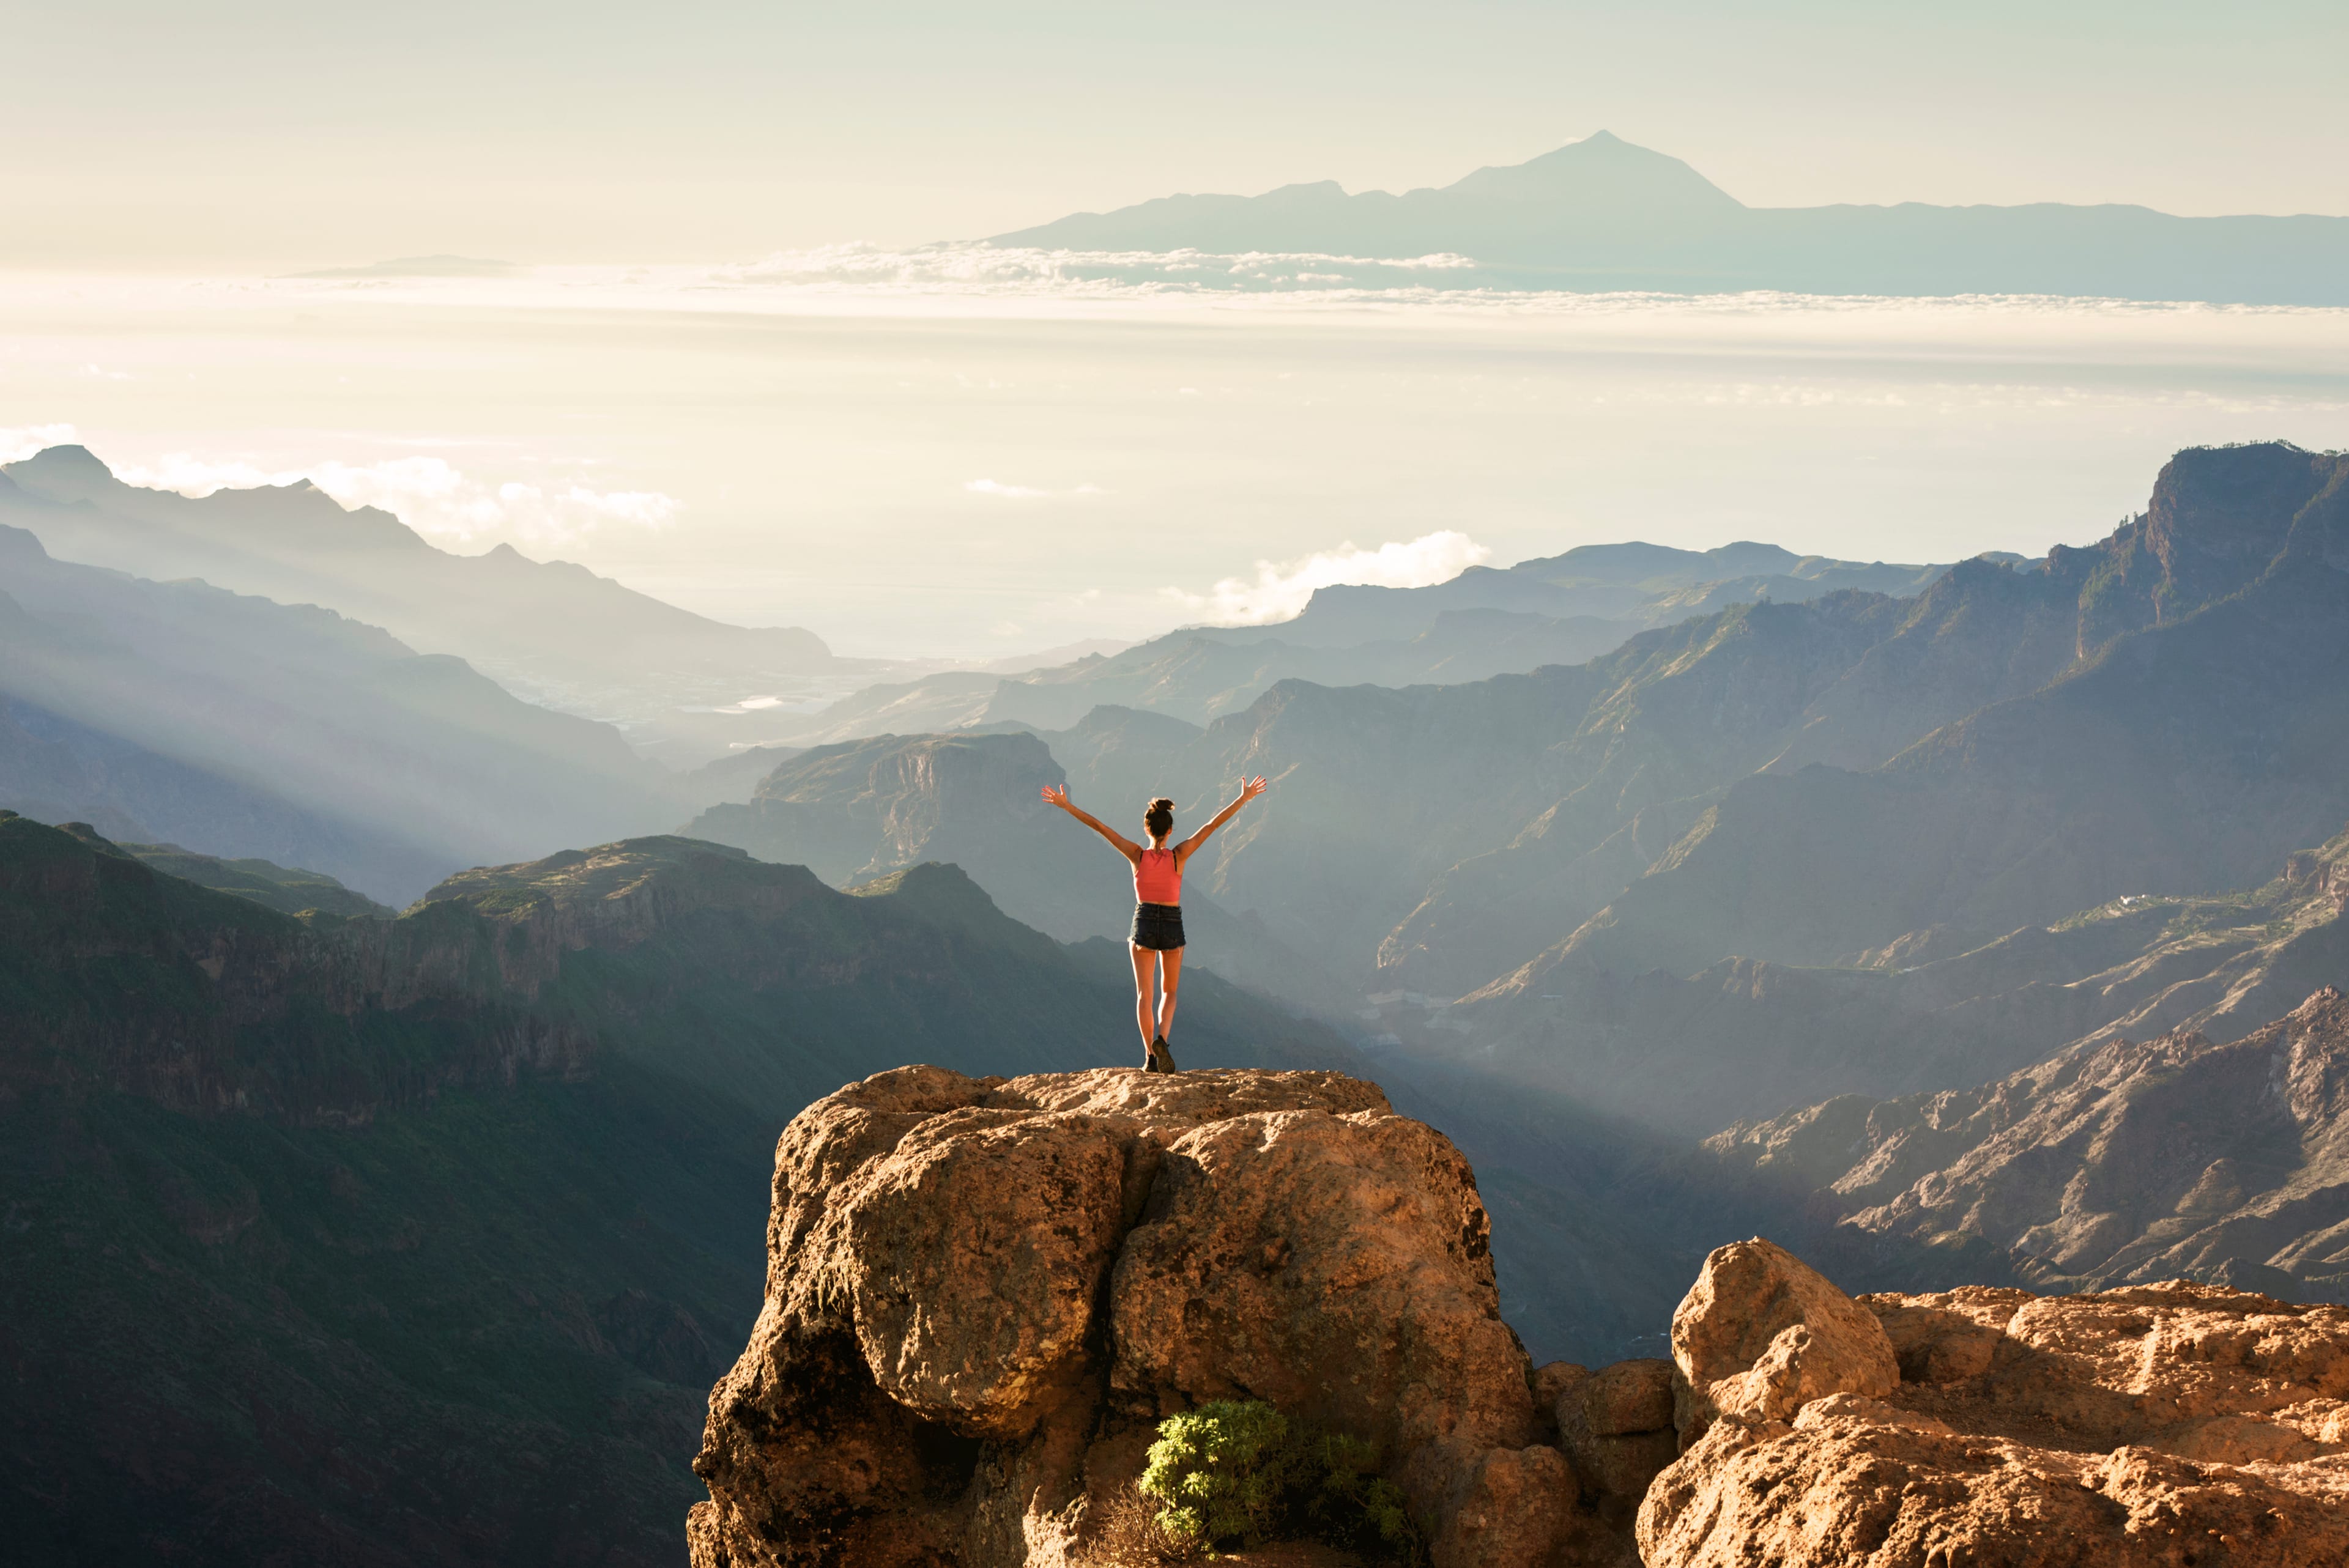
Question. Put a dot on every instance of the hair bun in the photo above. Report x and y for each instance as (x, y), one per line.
(1159, 819)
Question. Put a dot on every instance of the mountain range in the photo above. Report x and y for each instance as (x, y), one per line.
(1487, 621)
(1565, 873)
(545, 627)
(238, 726)
(1601, 214)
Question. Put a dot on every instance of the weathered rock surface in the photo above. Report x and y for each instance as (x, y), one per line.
(983, 1294)
(1616, 1425)
(1762, 1334)
(2168, 1424)
(1494, 1508)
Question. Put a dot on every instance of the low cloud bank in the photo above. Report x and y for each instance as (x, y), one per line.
(1281, 589)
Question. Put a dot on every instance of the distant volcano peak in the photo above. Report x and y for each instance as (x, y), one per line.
(1601, 171)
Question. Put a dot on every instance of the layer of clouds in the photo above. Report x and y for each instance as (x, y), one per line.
(1282, 588)
(974, 278)
(430, 495)
(18, 442)
(981, 268)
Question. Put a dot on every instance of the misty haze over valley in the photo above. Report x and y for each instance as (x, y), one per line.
(1806, 742)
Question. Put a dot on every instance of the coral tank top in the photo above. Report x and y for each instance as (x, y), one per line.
(1158, 877)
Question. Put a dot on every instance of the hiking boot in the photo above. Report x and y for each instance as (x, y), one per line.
(1166, 1057)
(1154, 1062)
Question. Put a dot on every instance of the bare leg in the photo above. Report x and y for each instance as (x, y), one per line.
(1145, 963)
(1170, 976)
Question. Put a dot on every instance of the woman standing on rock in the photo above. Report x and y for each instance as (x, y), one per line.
(1157, 935)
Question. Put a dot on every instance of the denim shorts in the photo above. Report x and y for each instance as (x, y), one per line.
(1157, 926)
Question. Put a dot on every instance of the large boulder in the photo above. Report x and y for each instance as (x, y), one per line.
(2167, 1425)
(1322, 1263)
(983, 1294)
(1762, 1334)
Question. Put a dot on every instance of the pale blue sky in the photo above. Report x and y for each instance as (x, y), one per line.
(284, 135)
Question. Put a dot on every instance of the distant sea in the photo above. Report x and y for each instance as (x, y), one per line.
(965, 450)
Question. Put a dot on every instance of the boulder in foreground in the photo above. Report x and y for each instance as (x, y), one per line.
(2168, 1425)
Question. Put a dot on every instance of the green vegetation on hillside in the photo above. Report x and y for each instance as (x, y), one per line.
(420, 1240)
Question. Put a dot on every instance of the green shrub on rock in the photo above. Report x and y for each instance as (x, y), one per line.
(1220, 1473)
(1238, 1472)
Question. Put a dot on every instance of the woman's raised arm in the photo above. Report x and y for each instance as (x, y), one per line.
(1057, 795)
(1248, 791)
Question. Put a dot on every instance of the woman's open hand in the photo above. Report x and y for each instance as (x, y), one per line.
(1252, 789)
(1057, 795)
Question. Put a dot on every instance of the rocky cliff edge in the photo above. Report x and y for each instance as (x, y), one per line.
(983, 1294)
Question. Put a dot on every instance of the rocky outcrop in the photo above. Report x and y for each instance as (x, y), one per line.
(983, 1294)
(2168, 1424)
(2218, 516)
(1762, 1334)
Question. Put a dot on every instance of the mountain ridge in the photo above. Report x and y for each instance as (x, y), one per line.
(1554, 610)
(1603, 214)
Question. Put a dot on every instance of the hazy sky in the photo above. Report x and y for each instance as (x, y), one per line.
(284, 135)
(704, 388)
(912, 459)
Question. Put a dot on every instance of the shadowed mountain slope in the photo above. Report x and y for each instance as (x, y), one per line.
(1601, 213)
(241, 728)
(56, 770)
